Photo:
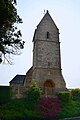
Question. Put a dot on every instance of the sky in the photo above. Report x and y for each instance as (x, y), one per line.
(66, 15)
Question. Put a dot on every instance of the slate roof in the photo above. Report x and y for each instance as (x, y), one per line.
(18, 79)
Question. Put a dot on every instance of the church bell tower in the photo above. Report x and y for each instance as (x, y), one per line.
(46, 57)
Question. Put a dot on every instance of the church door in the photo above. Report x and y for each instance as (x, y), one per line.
(48, 88)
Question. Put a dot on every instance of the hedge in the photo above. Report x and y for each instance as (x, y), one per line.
(75, 93)
(5, 94)
(64, 96)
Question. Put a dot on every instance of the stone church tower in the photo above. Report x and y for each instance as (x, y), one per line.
(46, 57)
(46, 69)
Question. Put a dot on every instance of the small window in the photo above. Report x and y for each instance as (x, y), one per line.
(47, 35)
(48, 64)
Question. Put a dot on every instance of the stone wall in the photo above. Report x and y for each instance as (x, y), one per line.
(18, 91)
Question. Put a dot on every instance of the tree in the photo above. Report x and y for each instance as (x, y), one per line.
(10, 36)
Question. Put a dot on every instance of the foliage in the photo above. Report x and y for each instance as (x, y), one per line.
(49, 107)
(10, 36)
(75, 94)
(64, 96)
(17, 109)
(33, 95)
(33, 92)
(70, 109)
(4, 94)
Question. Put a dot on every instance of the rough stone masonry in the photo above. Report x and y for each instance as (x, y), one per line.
(46, 70)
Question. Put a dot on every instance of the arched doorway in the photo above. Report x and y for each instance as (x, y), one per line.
(49, 87)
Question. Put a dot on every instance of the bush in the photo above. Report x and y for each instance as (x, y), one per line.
(70, 109)
(48, 107)
(64, 96)
(33, 95)
(75, 93)
(17, 110)
(4, 94)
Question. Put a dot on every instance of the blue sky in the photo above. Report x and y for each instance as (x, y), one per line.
(66, 14)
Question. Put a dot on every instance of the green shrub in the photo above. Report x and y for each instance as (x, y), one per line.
(33, 95)
(17, 110)
(64, 96)
(75, 93)
(70, 109)
(4, 94)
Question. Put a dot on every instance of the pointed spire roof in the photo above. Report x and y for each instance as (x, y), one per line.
(48, 17)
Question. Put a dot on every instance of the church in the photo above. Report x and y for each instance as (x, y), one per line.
(46, 69)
